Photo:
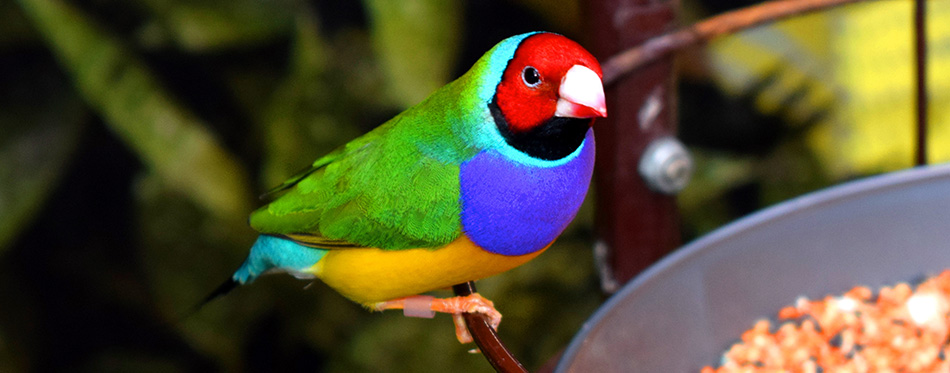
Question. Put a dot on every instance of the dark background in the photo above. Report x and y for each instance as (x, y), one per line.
(106, 244)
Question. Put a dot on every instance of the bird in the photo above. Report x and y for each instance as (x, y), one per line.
(478, 178)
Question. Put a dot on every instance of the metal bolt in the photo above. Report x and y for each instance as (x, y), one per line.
(666, 165)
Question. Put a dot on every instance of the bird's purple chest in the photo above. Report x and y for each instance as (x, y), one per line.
(511, 208)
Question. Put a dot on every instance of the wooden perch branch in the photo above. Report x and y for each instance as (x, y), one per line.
(497, 354)
(701, 32)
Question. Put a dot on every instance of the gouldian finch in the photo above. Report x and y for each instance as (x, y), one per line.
(479, 178)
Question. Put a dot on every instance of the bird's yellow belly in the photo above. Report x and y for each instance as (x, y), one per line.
(368, 276)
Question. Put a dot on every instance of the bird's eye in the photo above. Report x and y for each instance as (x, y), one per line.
(531, 76)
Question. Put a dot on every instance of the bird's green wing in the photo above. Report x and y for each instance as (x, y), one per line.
(272, 194)
(396, 187)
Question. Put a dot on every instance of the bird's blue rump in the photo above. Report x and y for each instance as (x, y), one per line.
(272, 253)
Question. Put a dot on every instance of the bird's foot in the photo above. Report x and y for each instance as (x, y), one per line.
(426, 306)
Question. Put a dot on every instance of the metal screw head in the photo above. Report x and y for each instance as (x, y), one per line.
(666, 165)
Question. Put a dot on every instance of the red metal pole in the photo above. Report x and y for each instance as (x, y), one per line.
(635, 226)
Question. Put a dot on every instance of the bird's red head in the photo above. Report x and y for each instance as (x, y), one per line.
(550, 76)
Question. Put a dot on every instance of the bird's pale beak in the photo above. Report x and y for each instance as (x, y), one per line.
(581, 94)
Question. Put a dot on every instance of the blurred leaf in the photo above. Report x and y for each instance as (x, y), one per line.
(188, 255)
(791, 170)
(18, 322)
(848, 71)
(417, 41)
(563, 15)
(305, 117)
(717, 173)
(14, 27)
(215, 24)
(727, 186)
(393, 342)
(168, 138)
(41, 124)
(35, 145)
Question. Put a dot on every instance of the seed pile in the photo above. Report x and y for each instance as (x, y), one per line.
(900, 329)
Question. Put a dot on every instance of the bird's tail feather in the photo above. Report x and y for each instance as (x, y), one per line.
(269, 253)
(220, 291)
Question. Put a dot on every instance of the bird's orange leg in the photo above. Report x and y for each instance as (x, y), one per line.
(426, 306)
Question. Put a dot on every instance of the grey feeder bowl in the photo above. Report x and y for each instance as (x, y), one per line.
(683, 312)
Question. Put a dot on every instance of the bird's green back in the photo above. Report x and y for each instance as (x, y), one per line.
(395, 187)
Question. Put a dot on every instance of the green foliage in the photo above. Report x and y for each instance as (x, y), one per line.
(417, 42)
(34, 146)
(134, 136)
(203, 25)
(305, 115)
(168, 137)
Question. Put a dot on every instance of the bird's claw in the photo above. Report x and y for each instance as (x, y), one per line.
(456, 306)
(474, 303)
